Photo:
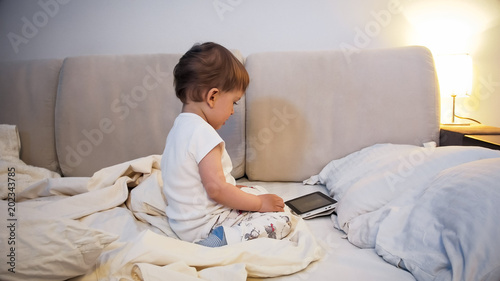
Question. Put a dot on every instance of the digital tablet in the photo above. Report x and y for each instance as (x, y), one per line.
(312, 205)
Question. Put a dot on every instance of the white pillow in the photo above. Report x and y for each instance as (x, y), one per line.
(14, 169)
(368, 179)
(48, 249)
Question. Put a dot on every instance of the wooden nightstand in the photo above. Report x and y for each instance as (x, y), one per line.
(479, 135)
(489, 141)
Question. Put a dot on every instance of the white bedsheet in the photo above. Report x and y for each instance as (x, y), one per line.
(342, 260)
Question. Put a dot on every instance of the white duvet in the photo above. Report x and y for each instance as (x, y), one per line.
(433, 211)
(112, 226)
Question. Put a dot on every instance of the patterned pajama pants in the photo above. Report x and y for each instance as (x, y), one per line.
(242, 226)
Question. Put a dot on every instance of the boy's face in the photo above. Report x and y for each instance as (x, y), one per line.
(224, 107)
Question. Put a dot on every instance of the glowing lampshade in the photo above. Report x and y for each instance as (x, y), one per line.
(455, 77)
(454, 74)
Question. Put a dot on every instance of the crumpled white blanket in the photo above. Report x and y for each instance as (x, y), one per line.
(126, 200)
(10, 147)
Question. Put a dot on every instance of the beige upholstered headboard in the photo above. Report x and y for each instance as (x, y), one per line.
(78, 115)
(305, 109)
(112, 109)
(301, 109)
(27, 100)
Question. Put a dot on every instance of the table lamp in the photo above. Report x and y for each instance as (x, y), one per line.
(455, 79)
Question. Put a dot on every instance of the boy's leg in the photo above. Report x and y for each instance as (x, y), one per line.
(250, 226)
(270, 225)
(222, 232)
(237, 226)
(216, 238)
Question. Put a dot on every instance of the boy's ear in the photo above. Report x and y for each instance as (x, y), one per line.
(212, 96)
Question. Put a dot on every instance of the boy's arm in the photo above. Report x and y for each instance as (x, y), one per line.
(214, 181)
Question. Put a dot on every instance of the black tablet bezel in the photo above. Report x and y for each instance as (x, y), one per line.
(290, 203)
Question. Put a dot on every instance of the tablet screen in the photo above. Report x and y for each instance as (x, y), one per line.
(310, 202)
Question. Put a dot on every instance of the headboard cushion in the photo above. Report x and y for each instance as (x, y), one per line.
(305, 109)
(112, 109)
(27, 100)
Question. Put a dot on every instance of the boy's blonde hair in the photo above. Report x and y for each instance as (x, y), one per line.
(206, 66)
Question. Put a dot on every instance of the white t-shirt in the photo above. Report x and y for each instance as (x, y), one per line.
(191, 213)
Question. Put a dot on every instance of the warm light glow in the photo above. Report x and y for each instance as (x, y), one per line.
(447, 26)
(450, 27)
(454, 74)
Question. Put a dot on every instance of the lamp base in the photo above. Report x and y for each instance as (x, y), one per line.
(453, 116)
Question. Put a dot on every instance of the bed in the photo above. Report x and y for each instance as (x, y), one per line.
(81, 185)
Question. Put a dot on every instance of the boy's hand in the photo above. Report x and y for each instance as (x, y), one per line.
(271, 203)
